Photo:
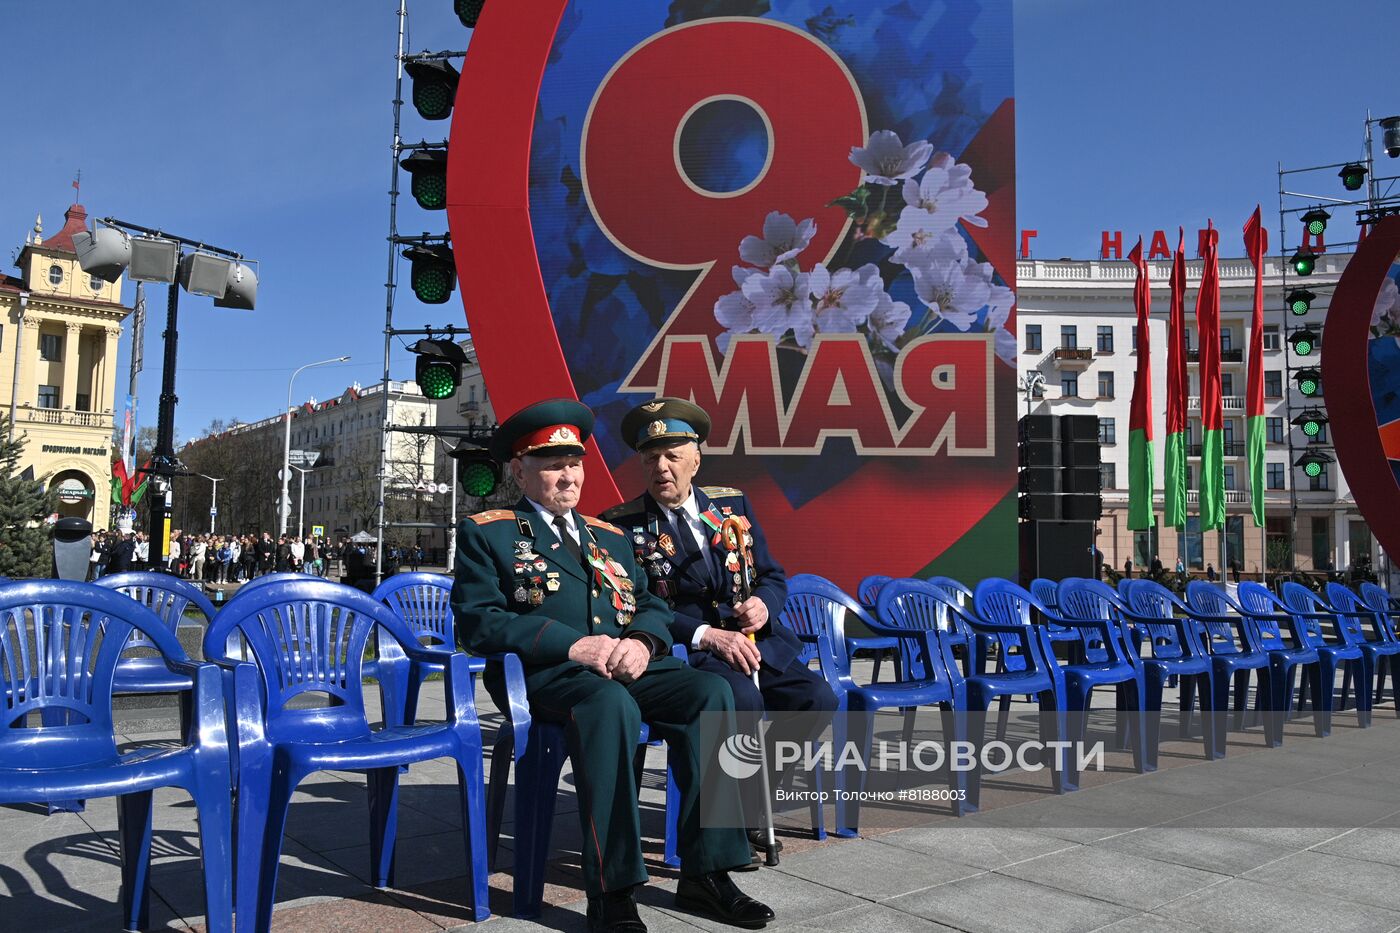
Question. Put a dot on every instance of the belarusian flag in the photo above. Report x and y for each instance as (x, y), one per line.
(1212, 485)
(120, 482)
(1256, 244)
(1140, 485)
(1174, 485)
(140, 488)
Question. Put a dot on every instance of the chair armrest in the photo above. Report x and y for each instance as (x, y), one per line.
(460, 688)
(1108, 631)
(517, 711)
(184, 666)
(1189, 628)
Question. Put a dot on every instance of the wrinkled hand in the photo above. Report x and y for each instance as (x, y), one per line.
(751, 614)
(593, 652)
(629, 660)
(733, 648)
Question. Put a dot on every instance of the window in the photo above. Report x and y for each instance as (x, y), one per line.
(1321, 435)
(1146, 545)
(1191, 544)
(83, 403)
(1321, 543)
(1227, 434)
(48, 396)
(1069, 336)
(55, 274)
(1108, 476)
(1190, 338)
(50, 347)
(1105, 338)
(1273, 383)
(471, 392)
(1032, 338)
(1319, 482)
(1230, 540)
(1133, 348)
(1273, 478)
(1069, 385)
(95, 283)
(1274, 431)
(1227, 384)
(1271, 341)
(1108, 431)
(1230, 476)
(1106, 385)
(1227, 339)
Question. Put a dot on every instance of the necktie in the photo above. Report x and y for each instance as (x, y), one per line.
(570, 544)
(683, 531)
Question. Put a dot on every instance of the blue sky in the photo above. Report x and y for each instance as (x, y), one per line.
(264, 127)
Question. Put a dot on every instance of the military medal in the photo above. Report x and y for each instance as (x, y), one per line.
(520, 595)
(522, 547)
(667, 544)
(552, 585)
(536, 596)
(540, 565)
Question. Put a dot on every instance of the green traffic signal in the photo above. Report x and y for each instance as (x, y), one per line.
(1353, 176)
(1303, 341)
(428, 167)
(434, 87)
(1315, 221)
(1303, 262)
(1299, 300)
(476, 471)
(434, 274)
(1309, 381)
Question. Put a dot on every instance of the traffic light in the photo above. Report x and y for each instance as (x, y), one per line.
(1315, 221)
(1353, 176)
(438, 370)
(1313, 463)
(434, 87)
(434, 273)
(478, 474)
(1303, 341)
(1303, 261)
(1311, 421)
(429, 170)
(1309, 382)
(1299, 300)
(468, 11)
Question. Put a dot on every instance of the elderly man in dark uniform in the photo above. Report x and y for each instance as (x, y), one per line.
(563, 591)
(674, 527)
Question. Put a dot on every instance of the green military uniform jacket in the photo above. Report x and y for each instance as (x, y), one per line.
(517, 589)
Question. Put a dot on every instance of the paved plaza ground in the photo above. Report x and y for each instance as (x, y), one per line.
(1306, 837)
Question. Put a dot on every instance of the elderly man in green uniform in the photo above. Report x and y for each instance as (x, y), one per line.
(564, 592)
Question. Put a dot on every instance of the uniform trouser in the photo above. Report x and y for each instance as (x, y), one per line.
(602, 720)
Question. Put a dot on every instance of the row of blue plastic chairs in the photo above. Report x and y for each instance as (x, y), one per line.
(1135, 639)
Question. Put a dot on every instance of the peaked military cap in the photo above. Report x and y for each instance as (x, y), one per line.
(665, 420)
(557, 426)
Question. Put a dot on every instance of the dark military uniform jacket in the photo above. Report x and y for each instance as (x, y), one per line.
(518, 589)
(701, 589)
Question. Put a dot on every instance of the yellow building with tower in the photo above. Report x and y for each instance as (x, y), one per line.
(58, 368)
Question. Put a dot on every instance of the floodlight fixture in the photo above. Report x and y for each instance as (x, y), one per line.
(1309, 381)
(241, 290)
(429, 170)
(1311, 421)
(1315, 221)
(154, 259)
(477, 473)
(1300, 300)
(1353, 176)
(1304, 341)
(438, 369)
(1313, 462)
(434, 86)
(1390, 127)
(468, 11)
(105, 252)
(434, 273)
(203, 274)
(1304, 261)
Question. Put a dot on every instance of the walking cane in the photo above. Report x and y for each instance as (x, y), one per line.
(739, 545)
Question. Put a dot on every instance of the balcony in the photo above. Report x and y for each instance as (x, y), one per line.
(1232, 497)
(464, 408)
(1232, 449)
(1228, 403)
(1073, 355)
(1193, 355)
(74, 419)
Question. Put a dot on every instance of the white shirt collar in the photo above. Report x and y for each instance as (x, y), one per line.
(549, 516)
(691, 506)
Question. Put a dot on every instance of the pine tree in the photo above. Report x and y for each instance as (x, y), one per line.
(25, 550)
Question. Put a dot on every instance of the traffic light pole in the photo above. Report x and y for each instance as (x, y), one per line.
(164, 463)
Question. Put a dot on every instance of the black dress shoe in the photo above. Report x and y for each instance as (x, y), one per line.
(716, 895)
(614, 913)
(757, 841)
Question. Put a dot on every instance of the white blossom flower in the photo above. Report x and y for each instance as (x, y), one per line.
(954, 290)
(888, 320)
(886, 160)
(845, 298)
(783, 238)
(734, 310)
(924, 247)
(1385, 315)
(782, 301)
(935, 205)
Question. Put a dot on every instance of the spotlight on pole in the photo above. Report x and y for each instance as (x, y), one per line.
(105, 252)
(477, 473)
(1303, 341)
(429, 170)
(1315, 221)
(241, 290)
(153, 259)
(1311, 421)
(202, 274)
(1304, 261)
(434, 87)
(1391, 140)
(1313, 463)
(438, 370)
(1299, 300)
(1309, 382)
(1353, 176)
(468, 11)
(434, 273)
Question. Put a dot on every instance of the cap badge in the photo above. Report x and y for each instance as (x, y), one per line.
(656, 428)
(652, 406)
(563, 435)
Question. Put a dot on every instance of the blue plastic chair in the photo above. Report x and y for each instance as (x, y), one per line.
(1372, 635)
(60, 644)
(424, 602)
(1176, 650)
(1347, 646)
(867, 592)
(1387, 610)
(308, 637)
(1287, 652)
(1003, 611)
(1047, 592)
(1236, 648)
(818, 609)
(1379, 599)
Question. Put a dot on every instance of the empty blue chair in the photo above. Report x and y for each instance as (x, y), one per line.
(60, 644)
(307, 637)
(1283, 636)
(1387, 610)
(1374, 637)
(1176, 651)
(1346, 647)
(1379, 599)
(1003, 611)
(1236, 648)
(168, 597)
(1047, 592)
(818, 608)
(424, 602)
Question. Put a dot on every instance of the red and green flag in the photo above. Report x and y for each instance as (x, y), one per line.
(1212, 484)
(1140, 485)
(1256, 244)
(1174, 461)
(126, 491)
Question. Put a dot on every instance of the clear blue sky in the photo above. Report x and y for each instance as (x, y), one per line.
(264, 127)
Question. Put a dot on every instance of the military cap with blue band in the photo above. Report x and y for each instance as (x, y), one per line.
(666, 421)
(554, 427)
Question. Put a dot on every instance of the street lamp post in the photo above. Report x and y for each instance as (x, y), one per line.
(213, 499)
(301, 503)
(285, 503)
(1032, 384)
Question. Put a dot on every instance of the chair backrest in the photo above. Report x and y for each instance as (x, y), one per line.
(1299, 598)
(1209, 599)
(1382, 604)
(168, 597)
(1047, 591)
(1082, 598)
(1258, 600)
(307, 636)
(960, 596)
(869, 589)
(1123, 589)
(917, 605)
(816, 608)
(59, 645)
(1148, 598)
(424, 602)
(1342, 600)
(1004, 603)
